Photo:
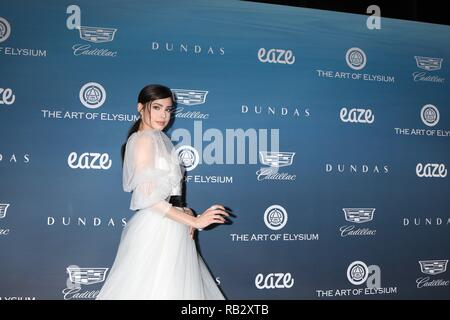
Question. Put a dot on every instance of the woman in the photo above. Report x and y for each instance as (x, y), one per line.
(157, 257)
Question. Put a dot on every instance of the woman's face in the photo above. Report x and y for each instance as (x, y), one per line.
(157, 114)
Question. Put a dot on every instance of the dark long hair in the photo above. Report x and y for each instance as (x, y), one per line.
(148, 94)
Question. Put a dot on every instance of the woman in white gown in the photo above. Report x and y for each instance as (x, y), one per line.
(157, 257)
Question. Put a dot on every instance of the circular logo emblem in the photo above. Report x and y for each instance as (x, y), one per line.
(5, 29)
(357, 272)
(356, 58)
(275, 217)
(429, 115)
(188, 156)
(92, 95)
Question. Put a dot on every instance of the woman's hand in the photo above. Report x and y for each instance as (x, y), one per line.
(214, 214)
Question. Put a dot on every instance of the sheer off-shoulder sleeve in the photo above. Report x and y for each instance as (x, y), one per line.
(148, 171)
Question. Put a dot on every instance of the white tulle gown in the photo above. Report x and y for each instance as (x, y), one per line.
(156, 258)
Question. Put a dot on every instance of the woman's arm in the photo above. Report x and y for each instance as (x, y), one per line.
(214, 214)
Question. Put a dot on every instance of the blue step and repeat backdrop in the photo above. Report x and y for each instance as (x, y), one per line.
(327, 139)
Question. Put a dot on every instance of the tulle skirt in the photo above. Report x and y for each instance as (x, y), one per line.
(157, 259)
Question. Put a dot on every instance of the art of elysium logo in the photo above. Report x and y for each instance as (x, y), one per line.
(3, 209)
(275, 217)
(188, 156)
(428, 63)
(358, 215)
(356, 58)
(276, 159)
(92, 95)
(280, 56)
(190, 97)
(357, 273)
(5, 32)
(433, 267)
(429, 115)
(5, 29)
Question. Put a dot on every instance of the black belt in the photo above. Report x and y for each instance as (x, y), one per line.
(177, 201)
